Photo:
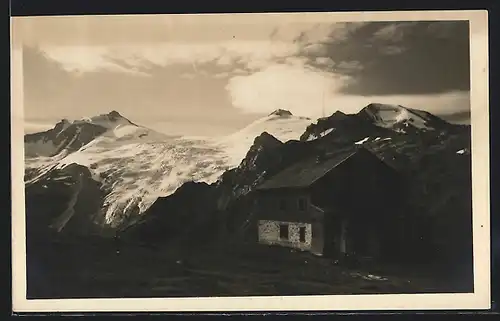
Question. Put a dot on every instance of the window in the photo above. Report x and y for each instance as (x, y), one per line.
(282, 204)
(302, 204)
(284, 232)
(302, 234)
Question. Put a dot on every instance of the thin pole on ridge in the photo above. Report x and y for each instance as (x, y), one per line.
(323, 101)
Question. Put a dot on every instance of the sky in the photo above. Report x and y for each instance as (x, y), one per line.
(211, 75)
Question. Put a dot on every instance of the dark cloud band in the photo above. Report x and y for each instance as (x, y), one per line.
(388, 58)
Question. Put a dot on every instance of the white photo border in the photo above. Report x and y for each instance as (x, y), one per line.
(480, 299)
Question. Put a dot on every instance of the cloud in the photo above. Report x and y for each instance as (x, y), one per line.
(326, 61)
(253, 55)
(102, 30)
(222, 75)
(312, 93)
(52, 92)
(291, 87)
(306, 68)
(239, 71)
(296, 61)
(359, 63)
(391, 31)
(225, 60)
(118, 44)
(188, 76)
(461, 117)
(440, 104)
(393, 58)
(81, 59)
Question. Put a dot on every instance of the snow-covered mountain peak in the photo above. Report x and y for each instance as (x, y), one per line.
(111, 130)
(64, 121)
(62, 125)
(280, 128)
(266, 139)
(338, 113)
(401, 118)
(119, 128)
(281, 113)
(110, 120)
(114, 113)
(384, 112)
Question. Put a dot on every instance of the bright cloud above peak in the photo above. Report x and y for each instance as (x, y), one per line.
(313, 93)
(302, 91)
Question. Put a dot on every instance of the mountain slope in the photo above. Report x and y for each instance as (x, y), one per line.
(134, 165)
(342, 125)
(431, 190)
(402, 119)
(132, 174)
(66, 200)
(64, 136)
(70, 136)
(281, 124)
(139, 170)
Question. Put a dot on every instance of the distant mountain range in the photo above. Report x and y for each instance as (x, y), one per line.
(133, 165)
(105, 175)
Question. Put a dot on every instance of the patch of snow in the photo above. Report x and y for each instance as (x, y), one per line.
(136, 173)
(124, 130)
(326, 132)
(376, 139)
(374, 277)
(106, 122)
(61, 178)
(364, 140)
(40, 169)
(311, 137)
(283, 128)
(65, 124)
(64, 218)
(322, 134)
(136, 165)
(370, 277)
(387, 116)
(462, 151)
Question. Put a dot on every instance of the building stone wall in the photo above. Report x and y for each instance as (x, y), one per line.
(269, 233)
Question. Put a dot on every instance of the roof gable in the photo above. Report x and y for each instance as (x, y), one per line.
(306, 172)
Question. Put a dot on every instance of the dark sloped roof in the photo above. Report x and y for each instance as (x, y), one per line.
(306, 172)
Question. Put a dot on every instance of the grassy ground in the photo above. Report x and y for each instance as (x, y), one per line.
(97, 271)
